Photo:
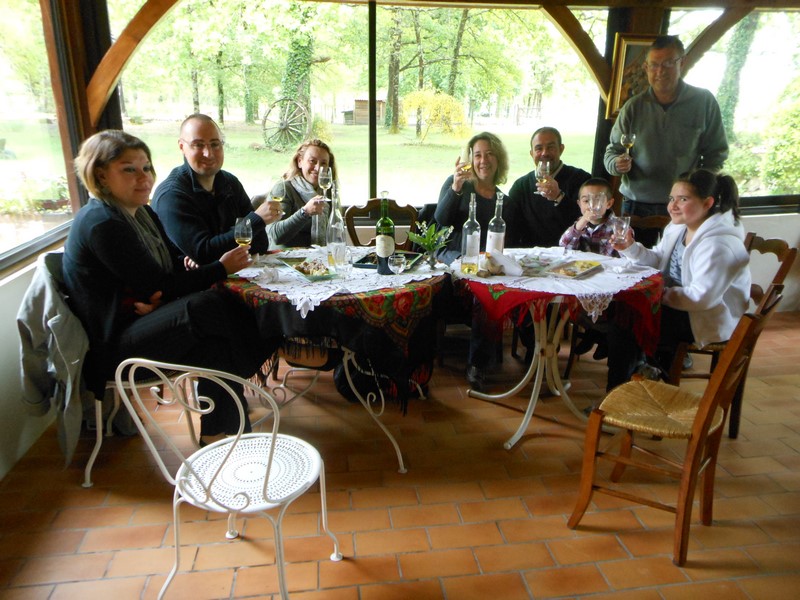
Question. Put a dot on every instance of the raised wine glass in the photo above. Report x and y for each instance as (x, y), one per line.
(278, 191)
(627, 140)
(621, 225)
(542, 171)
(243, 231)
(466, 159)
(597, 204)
(325, 180)
(397, 264)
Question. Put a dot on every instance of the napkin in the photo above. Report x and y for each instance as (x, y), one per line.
(265, 275)
(510, 266)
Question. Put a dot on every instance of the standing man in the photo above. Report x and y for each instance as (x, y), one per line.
(678, 128)
(198, 202)
(541, 212)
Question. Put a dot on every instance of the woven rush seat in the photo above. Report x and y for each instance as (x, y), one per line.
(239, 485)
(655, 408)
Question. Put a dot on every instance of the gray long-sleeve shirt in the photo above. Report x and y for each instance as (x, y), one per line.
(669, 141)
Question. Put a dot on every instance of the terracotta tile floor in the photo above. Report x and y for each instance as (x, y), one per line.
(468, 520)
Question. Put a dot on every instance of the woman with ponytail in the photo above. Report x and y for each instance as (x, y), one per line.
(704, 262)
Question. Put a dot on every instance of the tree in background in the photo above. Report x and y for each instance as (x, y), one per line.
(735, 57)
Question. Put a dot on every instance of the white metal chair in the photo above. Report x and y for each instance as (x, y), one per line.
(247, 474)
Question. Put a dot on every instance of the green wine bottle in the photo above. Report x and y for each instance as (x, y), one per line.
(384, 236)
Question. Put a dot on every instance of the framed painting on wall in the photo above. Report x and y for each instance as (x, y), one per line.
(628, 76)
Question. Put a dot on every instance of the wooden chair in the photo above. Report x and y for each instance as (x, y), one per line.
(396, 211)
(785, 256)
(654, 408)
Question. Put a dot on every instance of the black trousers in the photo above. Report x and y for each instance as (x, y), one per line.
(207, 329)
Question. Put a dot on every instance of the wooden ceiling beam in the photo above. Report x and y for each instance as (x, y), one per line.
(713, 33)
(108, 72)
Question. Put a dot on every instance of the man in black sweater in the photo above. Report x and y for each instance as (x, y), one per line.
(541, 212)
(198, 202)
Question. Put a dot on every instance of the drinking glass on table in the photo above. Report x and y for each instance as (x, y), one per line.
(397, 264)
(344, 262)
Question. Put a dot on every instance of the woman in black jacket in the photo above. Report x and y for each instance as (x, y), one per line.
(134, 293)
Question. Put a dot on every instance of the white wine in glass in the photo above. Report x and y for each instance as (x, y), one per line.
(466, 159)
(325, 180)
(243, 231)
(627, 140)
(542, 171)
(279, 191)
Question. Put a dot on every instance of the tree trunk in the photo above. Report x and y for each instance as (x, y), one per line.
(220, 92)
(735, 58)
(420, 67)
(195, 92)
(462, 25)
(393, 91)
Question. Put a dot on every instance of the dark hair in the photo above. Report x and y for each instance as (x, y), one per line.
(499, 151)
(598, 181)
(294, 168)
(668, 41)
(552, 130)
(101, 149)
(721, 187)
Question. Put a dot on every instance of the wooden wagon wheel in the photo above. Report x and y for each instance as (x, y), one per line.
(285, 124)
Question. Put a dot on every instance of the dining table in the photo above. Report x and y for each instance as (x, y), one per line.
(384, 325)
(554, 292)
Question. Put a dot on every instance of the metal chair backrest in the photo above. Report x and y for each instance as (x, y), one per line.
(180, 384)
(406, 213)
(782, 252)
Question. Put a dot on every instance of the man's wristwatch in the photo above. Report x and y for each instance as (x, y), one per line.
(560, 197)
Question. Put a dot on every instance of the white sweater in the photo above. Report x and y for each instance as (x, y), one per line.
(715, 290)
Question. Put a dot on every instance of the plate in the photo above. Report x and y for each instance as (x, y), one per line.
(296, 260)
(370, 261)
(574, 269)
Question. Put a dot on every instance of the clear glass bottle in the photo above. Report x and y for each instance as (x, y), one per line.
(335, 236)
(496, 233)
(384, 236)
(470, 241)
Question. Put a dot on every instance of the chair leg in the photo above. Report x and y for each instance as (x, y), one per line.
(683, 512)
(336, 556)
(709, 477)
(586, 486)
(98, 420)
(232, 532)
(625, 448)
(279, 558)
(514, 343)
(735, 414)
(677, 364)
(176, 526)
(572, 356)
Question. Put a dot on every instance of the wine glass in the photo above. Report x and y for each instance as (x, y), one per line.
(325, 180)
(627, 140)
(243, 231)
(466, 159)
(397, 264)
(278, 191)
(542, 171)
(597, 204)
(621, 225)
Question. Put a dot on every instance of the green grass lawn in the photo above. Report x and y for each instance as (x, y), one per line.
(411, 172)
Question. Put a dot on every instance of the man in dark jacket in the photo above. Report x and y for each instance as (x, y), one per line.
(198, 202)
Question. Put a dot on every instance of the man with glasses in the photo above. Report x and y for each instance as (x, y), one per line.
(678, 128)
(540, 212)
(198, 202)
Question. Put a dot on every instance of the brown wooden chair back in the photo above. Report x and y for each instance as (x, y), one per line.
(404, 212)
(782, 252)
(650, 224)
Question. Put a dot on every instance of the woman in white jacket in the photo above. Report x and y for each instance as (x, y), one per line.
(704, 262)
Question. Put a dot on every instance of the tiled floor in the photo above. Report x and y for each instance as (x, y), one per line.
(468, 520)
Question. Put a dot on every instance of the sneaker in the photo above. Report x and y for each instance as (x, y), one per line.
(650, 372)
(475, 378)
(688, 362)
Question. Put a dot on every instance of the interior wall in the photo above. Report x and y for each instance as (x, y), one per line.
(18, 430)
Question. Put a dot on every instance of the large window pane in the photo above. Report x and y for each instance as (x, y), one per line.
(754, 72)
(33, 189)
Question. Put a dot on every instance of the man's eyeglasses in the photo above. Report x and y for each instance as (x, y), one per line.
(667, 64)
(214, 146)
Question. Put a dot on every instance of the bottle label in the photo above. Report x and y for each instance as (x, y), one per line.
(472, 247)
(384, 246)
(495, 242)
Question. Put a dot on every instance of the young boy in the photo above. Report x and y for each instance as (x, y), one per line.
(592, 231)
